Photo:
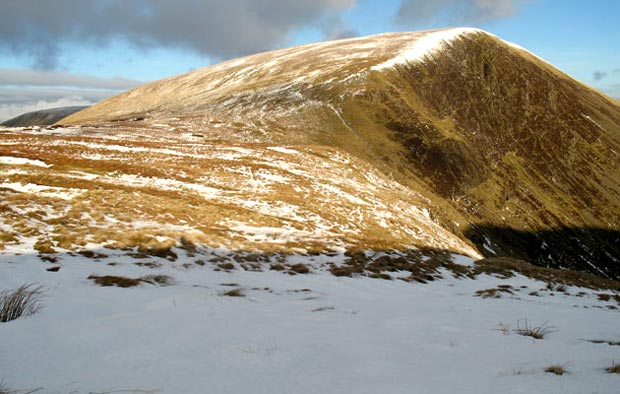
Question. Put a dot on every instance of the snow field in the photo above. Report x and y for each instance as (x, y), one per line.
(309, 333)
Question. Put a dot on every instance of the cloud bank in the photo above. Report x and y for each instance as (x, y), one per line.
(38, 29)
(23, 91)
(412, 12)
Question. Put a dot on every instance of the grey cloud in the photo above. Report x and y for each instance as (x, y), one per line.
(334, 28)
(9, 111)
(16, 101)
(221, 29)
(10, 76)
(24, 96)
(23, 91)
(598, 75)
(412, 12)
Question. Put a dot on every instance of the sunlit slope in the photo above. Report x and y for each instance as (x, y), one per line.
(515, 155)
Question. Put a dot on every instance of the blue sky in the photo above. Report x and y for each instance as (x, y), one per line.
(69, 52)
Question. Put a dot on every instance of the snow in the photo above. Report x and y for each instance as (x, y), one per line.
(312, 333)
(47, 191)
(282, 149)
(425, 46)
(20, 161)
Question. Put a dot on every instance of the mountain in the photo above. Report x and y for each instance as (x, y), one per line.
(354, 216)
(513, 155)
(43, 117)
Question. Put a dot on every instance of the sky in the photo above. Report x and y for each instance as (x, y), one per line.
(57, 53)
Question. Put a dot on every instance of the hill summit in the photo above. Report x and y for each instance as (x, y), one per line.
(446, 140)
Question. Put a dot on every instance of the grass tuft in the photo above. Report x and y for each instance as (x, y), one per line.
(159, 280)
(615, 368)
(300, 269)
(113, 280)
(537, 332)
(234, 293)
(3, 388)
(24, 301)
(121, 281)
(557, 369)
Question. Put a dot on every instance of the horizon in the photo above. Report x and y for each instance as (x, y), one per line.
(55, 54)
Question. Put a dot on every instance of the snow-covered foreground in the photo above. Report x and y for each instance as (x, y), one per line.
(313, 333)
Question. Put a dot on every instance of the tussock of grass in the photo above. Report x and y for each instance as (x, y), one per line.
(557, 369)
(3, 388)
(113, 280)
(524, 328)
(160, 280)
(226, 266)
(300, 269)
(92, 255)
(615, 368)
(494, 292)
(234, 293)
(45, 246)
(24, 301)
(121, 281)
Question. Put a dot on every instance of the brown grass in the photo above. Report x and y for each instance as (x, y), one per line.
(299, 269)
(557, 369)
(112, 280)
(92, 255)
(541, 331)
(45, 246)
(121, 281)
(159, 280)
(23, 301)
(4, 389)
(226, 266)
(495, 292)
(234, 293)
(614, 368)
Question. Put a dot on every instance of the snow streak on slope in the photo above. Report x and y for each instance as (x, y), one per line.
(425, 46)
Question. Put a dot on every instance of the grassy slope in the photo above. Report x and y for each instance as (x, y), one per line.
(515, 155)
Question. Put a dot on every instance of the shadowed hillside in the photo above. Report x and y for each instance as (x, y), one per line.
(553, 248)
(42, 117)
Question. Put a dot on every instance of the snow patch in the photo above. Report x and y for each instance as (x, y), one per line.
(46, 191)
(283, 150)
(20, 161)
(425, 46)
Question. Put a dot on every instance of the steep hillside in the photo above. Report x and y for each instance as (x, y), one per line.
(43, 117)
(515, 156)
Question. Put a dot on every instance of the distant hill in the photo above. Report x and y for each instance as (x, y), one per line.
(42, 117)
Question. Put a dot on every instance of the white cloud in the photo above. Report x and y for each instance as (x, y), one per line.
(23, 90)
(9, 111)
